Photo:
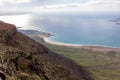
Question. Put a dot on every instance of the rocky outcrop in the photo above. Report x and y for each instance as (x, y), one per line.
(22, 58)
(6, 31)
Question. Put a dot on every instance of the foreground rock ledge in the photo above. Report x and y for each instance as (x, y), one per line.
(22, 58)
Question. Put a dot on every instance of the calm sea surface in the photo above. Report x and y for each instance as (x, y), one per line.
(76, 28)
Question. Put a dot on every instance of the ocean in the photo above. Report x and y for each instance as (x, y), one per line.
(101, 29)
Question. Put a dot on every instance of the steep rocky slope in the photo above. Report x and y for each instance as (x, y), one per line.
(21, 58)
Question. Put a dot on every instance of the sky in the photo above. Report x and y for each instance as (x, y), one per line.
(60, 5)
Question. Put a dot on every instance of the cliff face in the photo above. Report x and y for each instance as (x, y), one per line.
(23, 58)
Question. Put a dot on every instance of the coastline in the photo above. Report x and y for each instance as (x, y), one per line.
(89, 47)
(46, 40)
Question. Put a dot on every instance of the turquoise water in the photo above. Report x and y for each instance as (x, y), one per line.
(81, 28)
(77, 28)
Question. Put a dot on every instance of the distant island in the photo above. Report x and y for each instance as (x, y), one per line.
(117, 21)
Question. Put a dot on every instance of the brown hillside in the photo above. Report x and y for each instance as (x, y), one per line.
(24, 59)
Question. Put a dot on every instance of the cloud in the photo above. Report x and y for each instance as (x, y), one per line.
(1, 2)
(90, 6)
(17, 1)
(61, 5)
(15, 5)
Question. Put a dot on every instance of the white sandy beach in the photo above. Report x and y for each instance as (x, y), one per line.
(60, 43)
(90, 47)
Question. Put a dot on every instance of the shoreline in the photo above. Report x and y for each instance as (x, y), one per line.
(89, 47)
(46, 40)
